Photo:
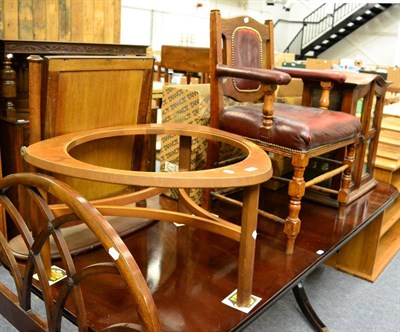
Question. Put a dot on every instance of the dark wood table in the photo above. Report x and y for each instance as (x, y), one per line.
(190, 271)
(56, 155)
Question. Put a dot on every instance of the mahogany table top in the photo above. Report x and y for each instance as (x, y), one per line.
(190, 271)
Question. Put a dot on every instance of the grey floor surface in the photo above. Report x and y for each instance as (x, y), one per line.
(343, 302)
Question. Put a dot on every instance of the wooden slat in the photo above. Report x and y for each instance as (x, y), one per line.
(88, 21)
(117, 22)
(39, 19)
(109, 16)
(25, 19)
(388, 248)
(191, 59)
(390, 124)
(393, 134)
(76, 20)
(387, 164)
(1, 21)
(61, 20)
(392, 216)
(64, 18)
(389, 140)
(388, 151)
(52, 20)
(98, 21)
(10, 17)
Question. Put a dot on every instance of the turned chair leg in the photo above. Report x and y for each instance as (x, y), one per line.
(296, 192)
(343, 195)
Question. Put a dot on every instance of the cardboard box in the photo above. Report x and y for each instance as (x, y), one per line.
(291, 93)
(320, 63)
(280, 58)
(394, 76)
(188, 104)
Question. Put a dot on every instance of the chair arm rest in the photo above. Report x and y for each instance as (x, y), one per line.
(265, 76)
(312, 74)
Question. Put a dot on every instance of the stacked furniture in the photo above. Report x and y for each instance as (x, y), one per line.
(241, 68)
(14, 120)
(367, 255)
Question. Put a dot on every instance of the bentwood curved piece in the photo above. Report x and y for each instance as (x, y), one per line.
(55, 154)
(38, 186)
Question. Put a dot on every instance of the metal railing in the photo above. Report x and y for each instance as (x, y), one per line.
(320, 21)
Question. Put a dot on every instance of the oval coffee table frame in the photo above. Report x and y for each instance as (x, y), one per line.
(53, 155)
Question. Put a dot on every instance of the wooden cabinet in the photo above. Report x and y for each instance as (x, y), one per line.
(367, 255)
(361, 95)
(14, 108)
(14, 75)
(14, 66)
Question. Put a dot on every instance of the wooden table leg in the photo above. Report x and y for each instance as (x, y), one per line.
(307, 309)
(247, 244)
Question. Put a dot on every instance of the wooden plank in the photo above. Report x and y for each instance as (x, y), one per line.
(117, 22)
(1, 20)
(88, 21)
(39, 19)
(98, 21)
(391, 121)
(320, 63)
(52, 20)
(10, 10)
(388, 248)
(388, 151)
(25, 19)
(386, 164)
(394, 76)
(392, 134)
(391, 124)
(109, 15)
(76, 20)
(190, 59)
(64, 19)
(358, 256)
(392, 216)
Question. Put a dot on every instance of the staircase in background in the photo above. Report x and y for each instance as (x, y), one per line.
(329, 24)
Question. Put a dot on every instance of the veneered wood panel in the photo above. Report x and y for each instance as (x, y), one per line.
(39, 19)
(80, 96)
(52, 20)
(117, 22)
(61, 20)
(98, 20)
(25, 19)
(10, 19)
(88, 21)
(76, 20)
(1, 20)
(109, 16)
(64, 18)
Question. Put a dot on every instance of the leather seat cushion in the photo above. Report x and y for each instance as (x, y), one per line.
(295, 127)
